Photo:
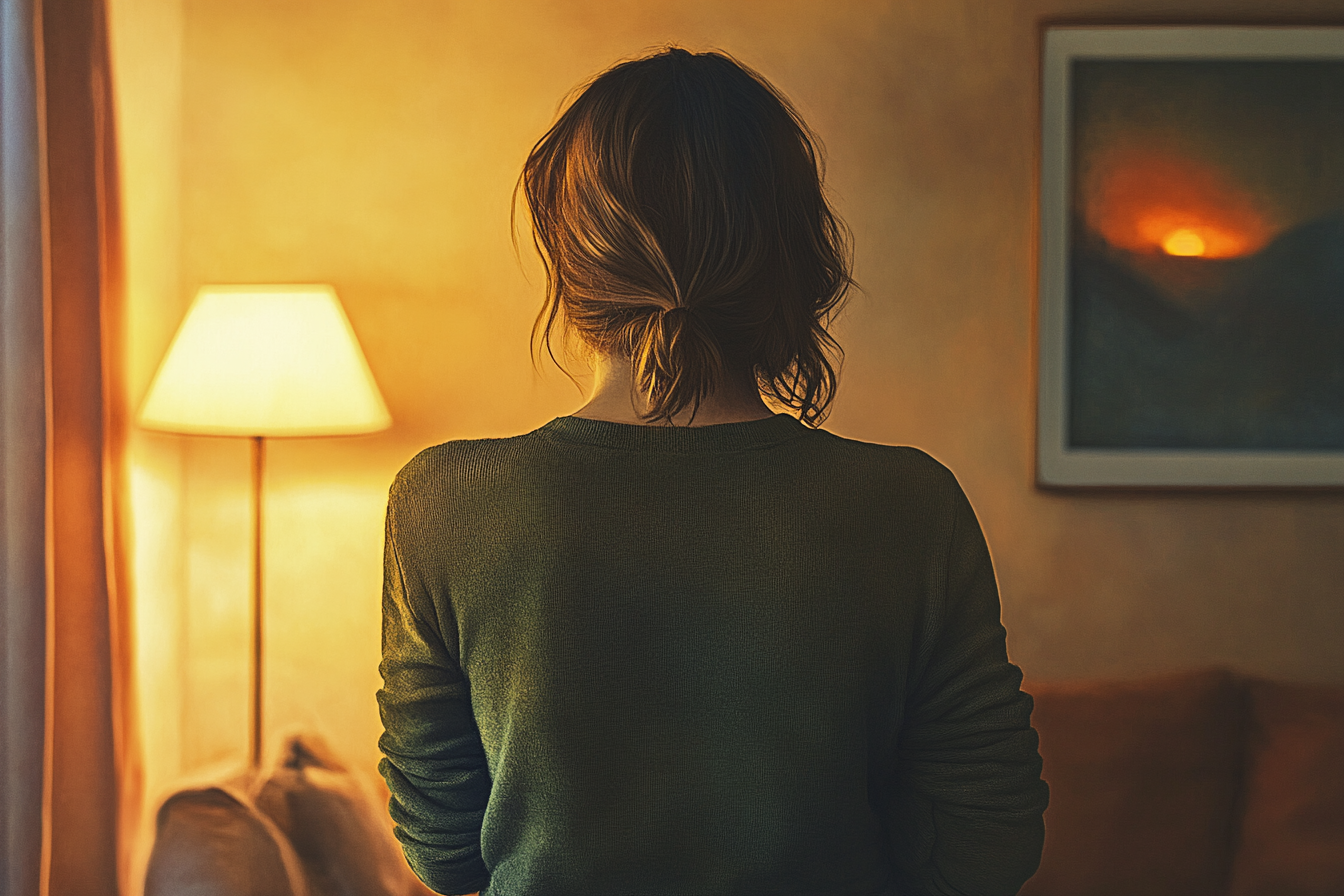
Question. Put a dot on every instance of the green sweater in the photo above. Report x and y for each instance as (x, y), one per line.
(751, 658)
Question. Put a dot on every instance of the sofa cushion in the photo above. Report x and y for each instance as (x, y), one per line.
(1143, 777)
(211, 842)
(342, 837)
(1292, 836)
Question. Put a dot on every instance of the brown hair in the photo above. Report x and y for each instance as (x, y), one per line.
(678, 208)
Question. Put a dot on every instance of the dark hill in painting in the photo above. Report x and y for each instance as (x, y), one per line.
(1190, 353)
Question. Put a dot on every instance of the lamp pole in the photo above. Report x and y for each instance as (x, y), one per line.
(254, 735)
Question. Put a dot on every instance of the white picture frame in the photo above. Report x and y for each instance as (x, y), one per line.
(1069, 454)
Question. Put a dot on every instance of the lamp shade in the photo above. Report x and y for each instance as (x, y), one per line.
(275, 360)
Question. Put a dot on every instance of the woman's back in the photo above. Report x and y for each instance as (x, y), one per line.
(744, 658)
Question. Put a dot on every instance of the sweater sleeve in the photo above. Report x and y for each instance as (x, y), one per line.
(966, 811)
(433, 761)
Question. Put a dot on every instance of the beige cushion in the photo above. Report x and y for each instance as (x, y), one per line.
(1143, 783)
(341, 835)
(210, 842)
(1292, 837)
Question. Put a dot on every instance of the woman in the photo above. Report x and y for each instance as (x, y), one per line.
(675, 643)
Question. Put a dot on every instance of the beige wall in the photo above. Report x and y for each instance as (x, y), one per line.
(145, 39)
(375, 145)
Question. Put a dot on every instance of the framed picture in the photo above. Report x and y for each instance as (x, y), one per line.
(1192, 257)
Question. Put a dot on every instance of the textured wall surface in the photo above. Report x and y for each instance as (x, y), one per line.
(375, 146)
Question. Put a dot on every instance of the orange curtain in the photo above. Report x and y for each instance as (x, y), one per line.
(88, 766)
(94, 795)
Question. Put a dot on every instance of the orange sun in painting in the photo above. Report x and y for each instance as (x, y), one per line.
(1146, 200)
(1184, 242)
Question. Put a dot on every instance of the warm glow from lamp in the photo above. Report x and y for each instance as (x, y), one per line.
(275, 360)
(264, 361)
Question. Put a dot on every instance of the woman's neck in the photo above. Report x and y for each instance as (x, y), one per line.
(615, 400)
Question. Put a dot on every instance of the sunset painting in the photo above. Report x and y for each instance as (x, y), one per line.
(1205, 255)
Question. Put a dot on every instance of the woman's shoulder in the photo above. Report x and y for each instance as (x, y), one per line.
(459, 460)
(881, 460)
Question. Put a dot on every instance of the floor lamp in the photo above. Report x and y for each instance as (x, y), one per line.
(263, 362)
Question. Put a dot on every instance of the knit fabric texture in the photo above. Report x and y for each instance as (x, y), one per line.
(747, 658)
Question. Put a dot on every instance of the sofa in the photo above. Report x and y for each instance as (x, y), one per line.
(1203, 783)
(307, 827)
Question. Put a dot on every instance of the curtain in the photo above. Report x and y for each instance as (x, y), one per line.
(23, 450)
(69, 722)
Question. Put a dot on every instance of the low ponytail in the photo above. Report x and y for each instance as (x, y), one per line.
(676, 361)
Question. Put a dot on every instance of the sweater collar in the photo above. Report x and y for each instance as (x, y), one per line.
(742, 436)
